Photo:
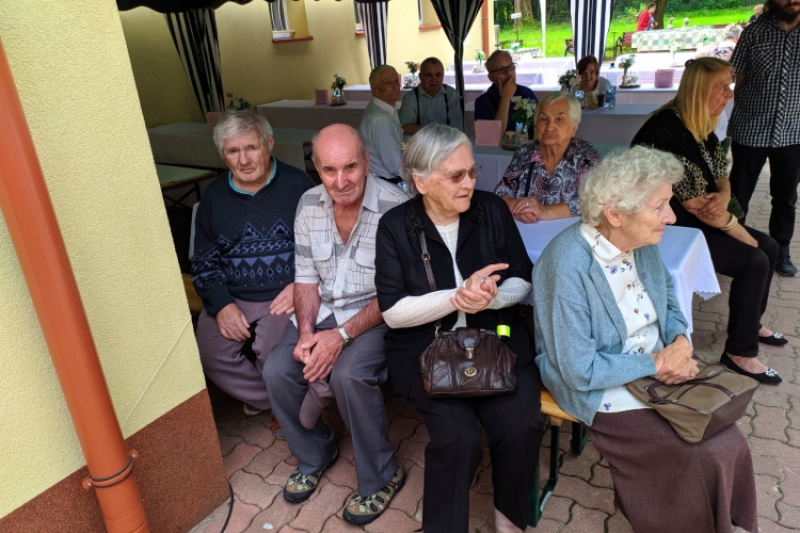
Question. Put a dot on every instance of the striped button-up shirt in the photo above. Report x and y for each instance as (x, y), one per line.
(766, 111)
(345, 271)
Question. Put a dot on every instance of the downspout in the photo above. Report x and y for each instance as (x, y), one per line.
(37, 240)
(485, 26)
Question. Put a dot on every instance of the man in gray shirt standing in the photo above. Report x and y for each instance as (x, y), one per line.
(380, 125)
(765, 123)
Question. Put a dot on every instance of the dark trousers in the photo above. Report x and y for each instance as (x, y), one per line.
(513, 431)
(750, 270)
(784, 167)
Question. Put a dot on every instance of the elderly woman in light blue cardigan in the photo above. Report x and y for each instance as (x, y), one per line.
(605, 315)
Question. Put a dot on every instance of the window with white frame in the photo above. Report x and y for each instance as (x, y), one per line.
(277, 15)
(427, 15)
(359, 24)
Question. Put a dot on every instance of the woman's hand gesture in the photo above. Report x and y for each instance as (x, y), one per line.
(478, 290)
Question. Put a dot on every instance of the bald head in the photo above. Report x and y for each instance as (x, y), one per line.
(336, 135)
(342, 163)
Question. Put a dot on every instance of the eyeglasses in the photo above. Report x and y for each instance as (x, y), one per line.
(459, 175)
(502, 70)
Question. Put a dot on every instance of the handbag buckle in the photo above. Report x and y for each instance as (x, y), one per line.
(470, 353)
(470, 372)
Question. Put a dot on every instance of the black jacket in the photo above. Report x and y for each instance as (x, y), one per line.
(487, 234)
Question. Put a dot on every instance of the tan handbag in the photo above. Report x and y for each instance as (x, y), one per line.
(701, 407)
(467, 362)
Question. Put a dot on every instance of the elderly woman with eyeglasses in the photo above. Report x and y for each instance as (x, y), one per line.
(482, 272)
(543, 178)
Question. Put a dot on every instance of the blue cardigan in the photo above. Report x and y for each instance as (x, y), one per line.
(580, 331)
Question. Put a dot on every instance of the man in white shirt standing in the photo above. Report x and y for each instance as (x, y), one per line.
(380, 125)
(431, 102)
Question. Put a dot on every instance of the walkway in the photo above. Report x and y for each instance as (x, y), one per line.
(258, 465)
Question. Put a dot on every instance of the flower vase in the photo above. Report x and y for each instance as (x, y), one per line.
(624, 76)
(338, 96)
(522, 133)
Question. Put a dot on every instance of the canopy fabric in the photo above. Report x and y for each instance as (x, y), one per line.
(178, 6)
(590, 23)
(457, 17)
(373, 18)
(195, 36)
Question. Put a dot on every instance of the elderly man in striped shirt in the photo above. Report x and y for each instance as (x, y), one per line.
(337, 333)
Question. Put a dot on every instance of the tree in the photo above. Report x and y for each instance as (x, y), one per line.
(661, 7)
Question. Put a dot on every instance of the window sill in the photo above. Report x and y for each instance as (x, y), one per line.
(360, 33)
(430, 27)
(293, 39)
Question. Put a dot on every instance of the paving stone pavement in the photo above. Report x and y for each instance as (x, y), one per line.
(583, 502)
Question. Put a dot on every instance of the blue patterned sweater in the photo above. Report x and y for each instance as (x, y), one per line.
(244, 244)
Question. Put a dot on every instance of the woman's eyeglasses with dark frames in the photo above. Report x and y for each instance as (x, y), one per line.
(459, 175)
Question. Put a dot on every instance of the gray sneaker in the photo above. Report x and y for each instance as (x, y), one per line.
(785, 267)
(300, 487)
(364, 509)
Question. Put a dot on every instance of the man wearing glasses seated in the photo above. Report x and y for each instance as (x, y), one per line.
(495, 104)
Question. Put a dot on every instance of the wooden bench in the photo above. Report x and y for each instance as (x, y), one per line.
(556, 416)
(569, 47)
(624, 42)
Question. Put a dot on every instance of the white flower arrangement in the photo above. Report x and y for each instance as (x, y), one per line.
(523, 110)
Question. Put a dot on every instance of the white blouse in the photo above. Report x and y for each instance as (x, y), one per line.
(416, 310)
(636, 307)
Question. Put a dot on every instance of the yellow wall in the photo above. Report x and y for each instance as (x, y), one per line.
(71, 66)
(261, 71)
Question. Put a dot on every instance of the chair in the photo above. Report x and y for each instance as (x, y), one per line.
(623, 43)
(570, 47)
(579, 436)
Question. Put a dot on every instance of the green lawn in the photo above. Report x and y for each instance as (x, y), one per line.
(557, 32)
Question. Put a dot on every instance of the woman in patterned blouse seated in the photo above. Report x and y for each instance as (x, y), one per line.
(685, 126)
(542, 181)
(605, 315)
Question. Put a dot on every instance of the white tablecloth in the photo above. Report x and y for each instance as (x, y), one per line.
(304, 114)
(192, 144)
(495, 161)
(524, 76)
(684, 251)
(362, 93)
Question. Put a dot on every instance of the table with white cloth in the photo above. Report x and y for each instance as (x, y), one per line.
(495, 161)
(685, 38)
(362, 93)
(191, 144)
(683, 250)
(525, 76)
(617, 125)
(307, 115)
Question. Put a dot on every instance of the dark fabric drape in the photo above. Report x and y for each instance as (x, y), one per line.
(177, 6)
(590, 22)
(457, 17)
(195, 36)
(373, 18)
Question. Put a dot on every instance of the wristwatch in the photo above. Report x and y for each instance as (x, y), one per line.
(348, 340)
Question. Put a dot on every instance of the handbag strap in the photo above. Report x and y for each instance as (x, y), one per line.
(426, 259)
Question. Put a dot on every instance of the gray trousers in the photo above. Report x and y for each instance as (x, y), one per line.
(355, 379)
(223, 361)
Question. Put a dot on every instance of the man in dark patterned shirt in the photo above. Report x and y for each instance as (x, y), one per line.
(243, 266)
(765, 123)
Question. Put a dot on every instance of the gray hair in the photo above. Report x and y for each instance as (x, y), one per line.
(235, 124)
(551, 98)
(431, 61)
(626, 180)
(375, 74)
(732, 32)
(427, 150)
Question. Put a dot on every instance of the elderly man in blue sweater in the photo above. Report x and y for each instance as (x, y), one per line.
(243, 266)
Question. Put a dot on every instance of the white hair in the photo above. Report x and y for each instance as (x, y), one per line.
(551, 98)
(427, 150)
(626, 180)
(235, 124)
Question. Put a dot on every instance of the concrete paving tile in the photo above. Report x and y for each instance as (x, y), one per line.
(343, 474)
(768, 466)
(412, 451)
(767, 493)
(275, 517)
(585, 521)
(339, 525)
(480, 525)
(745, 425)
(227, 443)
(581, 465)
(546, 525)
(241, 518)
(483, 483)
(790, 486)
(770, 422)
(409, 498)
(421, 434)
(617, 523)
(481, 506)
(392, 521)
(768, 526)
(794, 437)
(585, 494)
(280, 474)
(327, 501)
(253, 432)
(239, 457)
(265, 462)
(774, 448)
(289, 529)
(558, 509)
(253, 490)
(771, 397)
(402, 428)
(601, 476)
(790, 516)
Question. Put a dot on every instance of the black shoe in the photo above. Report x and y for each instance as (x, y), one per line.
(770, 377)
(776, 339)
(785, 267)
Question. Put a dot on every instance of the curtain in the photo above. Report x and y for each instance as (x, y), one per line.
(373, 18)
(457, 17)
(195, 36)
(590, 23)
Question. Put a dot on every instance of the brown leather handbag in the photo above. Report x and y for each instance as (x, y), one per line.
(467, 362)
(701, 407)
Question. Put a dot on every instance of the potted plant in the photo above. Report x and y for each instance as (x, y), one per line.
(338, 94)
(479, 57)
(523, 111)
(568, 80)
(626, 64)
(413, 67)
(237, 103)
